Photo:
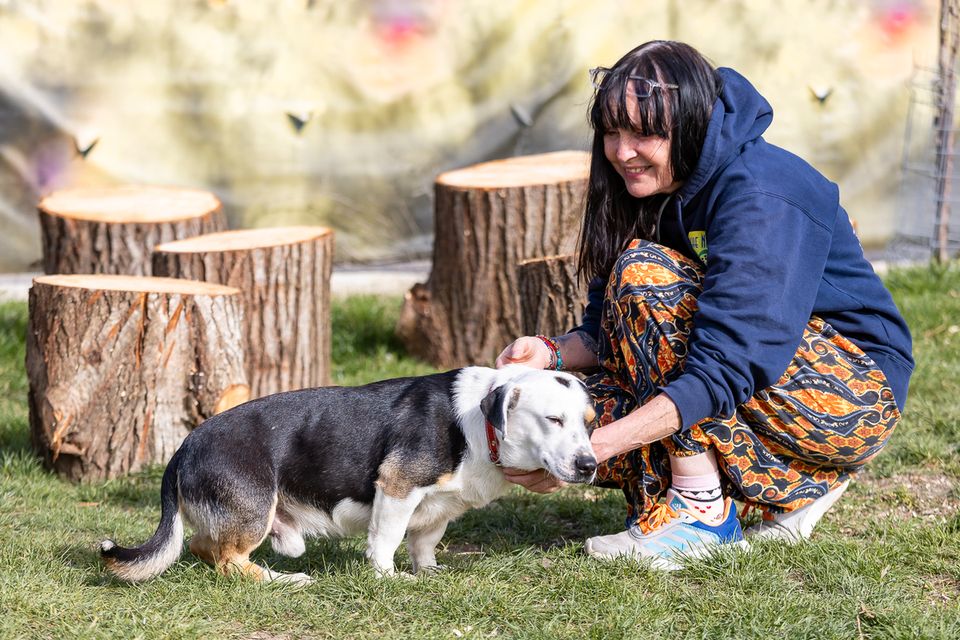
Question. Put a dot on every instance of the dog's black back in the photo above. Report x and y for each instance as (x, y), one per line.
(320, 446)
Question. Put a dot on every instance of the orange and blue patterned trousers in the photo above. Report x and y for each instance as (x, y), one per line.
(830, 412)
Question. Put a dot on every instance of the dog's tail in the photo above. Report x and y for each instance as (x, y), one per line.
(156, 554)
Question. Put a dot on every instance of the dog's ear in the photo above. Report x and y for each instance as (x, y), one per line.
(495, 408)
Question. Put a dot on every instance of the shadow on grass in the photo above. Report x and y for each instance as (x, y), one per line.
(88, 561)
(513, 524)
(85, 558)
(323, 556)
(545, 522)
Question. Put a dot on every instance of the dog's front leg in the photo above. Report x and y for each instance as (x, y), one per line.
(422, 545)
(388, 523)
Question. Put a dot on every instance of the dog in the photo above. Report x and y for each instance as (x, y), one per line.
(406, 455)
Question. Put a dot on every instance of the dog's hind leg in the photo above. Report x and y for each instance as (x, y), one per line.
(203, 546)
(228, 549)
(233, 557)
(247, 567)
(388, 523)
(422, 545)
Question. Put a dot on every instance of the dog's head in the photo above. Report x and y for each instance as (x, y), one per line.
(542, 420)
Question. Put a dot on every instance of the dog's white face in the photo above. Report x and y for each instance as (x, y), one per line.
(542, 420)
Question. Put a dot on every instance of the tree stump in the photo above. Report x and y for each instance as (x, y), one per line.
(121, 368)
(552, 298)
(284, 276)
(488, 218)
(114, 230)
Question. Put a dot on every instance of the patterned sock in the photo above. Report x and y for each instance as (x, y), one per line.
(702, 493)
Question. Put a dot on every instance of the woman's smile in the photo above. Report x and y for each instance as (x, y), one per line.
(642, 161)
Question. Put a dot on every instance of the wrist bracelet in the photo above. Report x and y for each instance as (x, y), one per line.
(556, 360)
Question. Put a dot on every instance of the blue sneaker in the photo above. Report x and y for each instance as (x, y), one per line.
(671, 532)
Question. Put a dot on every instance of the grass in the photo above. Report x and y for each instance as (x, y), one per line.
(885, 563)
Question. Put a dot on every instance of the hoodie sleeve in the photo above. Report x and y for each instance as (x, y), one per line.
(766, 256)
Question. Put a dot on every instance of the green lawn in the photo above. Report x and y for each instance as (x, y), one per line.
(885, 563)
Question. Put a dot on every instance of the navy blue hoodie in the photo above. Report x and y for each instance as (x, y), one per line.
(778, 249)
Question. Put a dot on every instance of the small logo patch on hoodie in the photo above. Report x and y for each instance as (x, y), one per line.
(698, 240)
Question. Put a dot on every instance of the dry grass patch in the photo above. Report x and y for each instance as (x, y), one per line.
(942, 591)
(932, 495)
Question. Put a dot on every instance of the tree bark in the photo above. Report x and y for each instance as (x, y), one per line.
(114, 230)
(284, 276)
(488, 218)
(122, 368)
(552, 298)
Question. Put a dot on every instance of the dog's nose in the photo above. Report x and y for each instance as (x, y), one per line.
(586, 465)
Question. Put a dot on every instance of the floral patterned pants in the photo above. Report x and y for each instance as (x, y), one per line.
(830, 412)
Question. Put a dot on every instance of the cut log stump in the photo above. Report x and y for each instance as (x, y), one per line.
(114, 230)
(284, 276)
(488, 218)
(552, 298)
(122, 368)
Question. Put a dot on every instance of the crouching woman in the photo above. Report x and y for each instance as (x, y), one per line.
(745, 348)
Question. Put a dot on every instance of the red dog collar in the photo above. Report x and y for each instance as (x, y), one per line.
(493, 444)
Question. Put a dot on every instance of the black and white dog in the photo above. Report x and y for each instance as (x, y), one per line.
(398, 456)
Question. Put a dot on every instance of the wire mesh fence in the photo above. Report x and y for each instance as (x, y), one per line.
(916, 228)
(926, 226)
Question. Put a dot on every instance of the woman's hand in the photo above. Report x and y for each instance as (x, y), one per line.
(528, 351)
(653, 421)
(539, 481)
(610, 441)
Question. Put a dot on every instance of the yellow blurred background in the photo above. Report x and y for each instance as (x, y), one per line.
(342, 112)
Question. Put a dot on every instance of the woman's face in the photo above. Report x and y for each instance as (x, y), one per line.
(642, 161)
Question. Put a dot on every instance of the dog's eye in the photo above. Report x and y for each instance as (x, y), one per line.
(556, 420)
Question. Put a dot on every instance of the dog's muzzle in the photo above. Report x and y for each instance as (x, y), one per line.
(584, 469)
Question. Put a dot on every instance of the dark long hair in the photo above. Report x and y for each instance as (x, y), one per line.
(613, 217)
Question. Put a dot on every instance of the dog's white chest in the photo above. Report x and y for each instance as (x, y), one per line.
(441, 506)
(474, 486)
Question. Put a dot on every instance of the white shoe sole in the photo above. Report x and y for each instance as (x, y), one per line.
(797, 525)
(660, 563)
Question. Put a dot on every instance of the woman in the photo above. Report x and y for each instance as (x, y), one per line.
(746, 348)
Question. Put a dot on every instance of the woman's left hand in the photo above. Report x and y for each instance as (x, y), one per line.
(653, 421)
(606, 443)
(538, 481)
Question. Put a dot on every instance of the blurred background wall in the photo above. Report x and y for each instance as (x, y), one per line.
(342, 112)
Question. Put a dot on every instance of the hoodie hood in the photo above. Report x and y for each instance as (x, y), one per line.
(740, 116)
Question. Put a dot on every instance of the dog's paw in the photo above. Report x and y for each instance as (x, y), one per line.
(431, 570)
(393, 574)
(295, 579)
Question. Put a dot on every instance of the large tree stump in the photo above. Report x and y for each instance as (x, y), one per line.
(122, 368)
(284, 276)
(488, 218)
(552, 298)
(114, 230)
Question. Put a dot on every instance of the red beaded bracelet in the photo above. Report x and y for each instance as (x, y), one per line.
(556, 360)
